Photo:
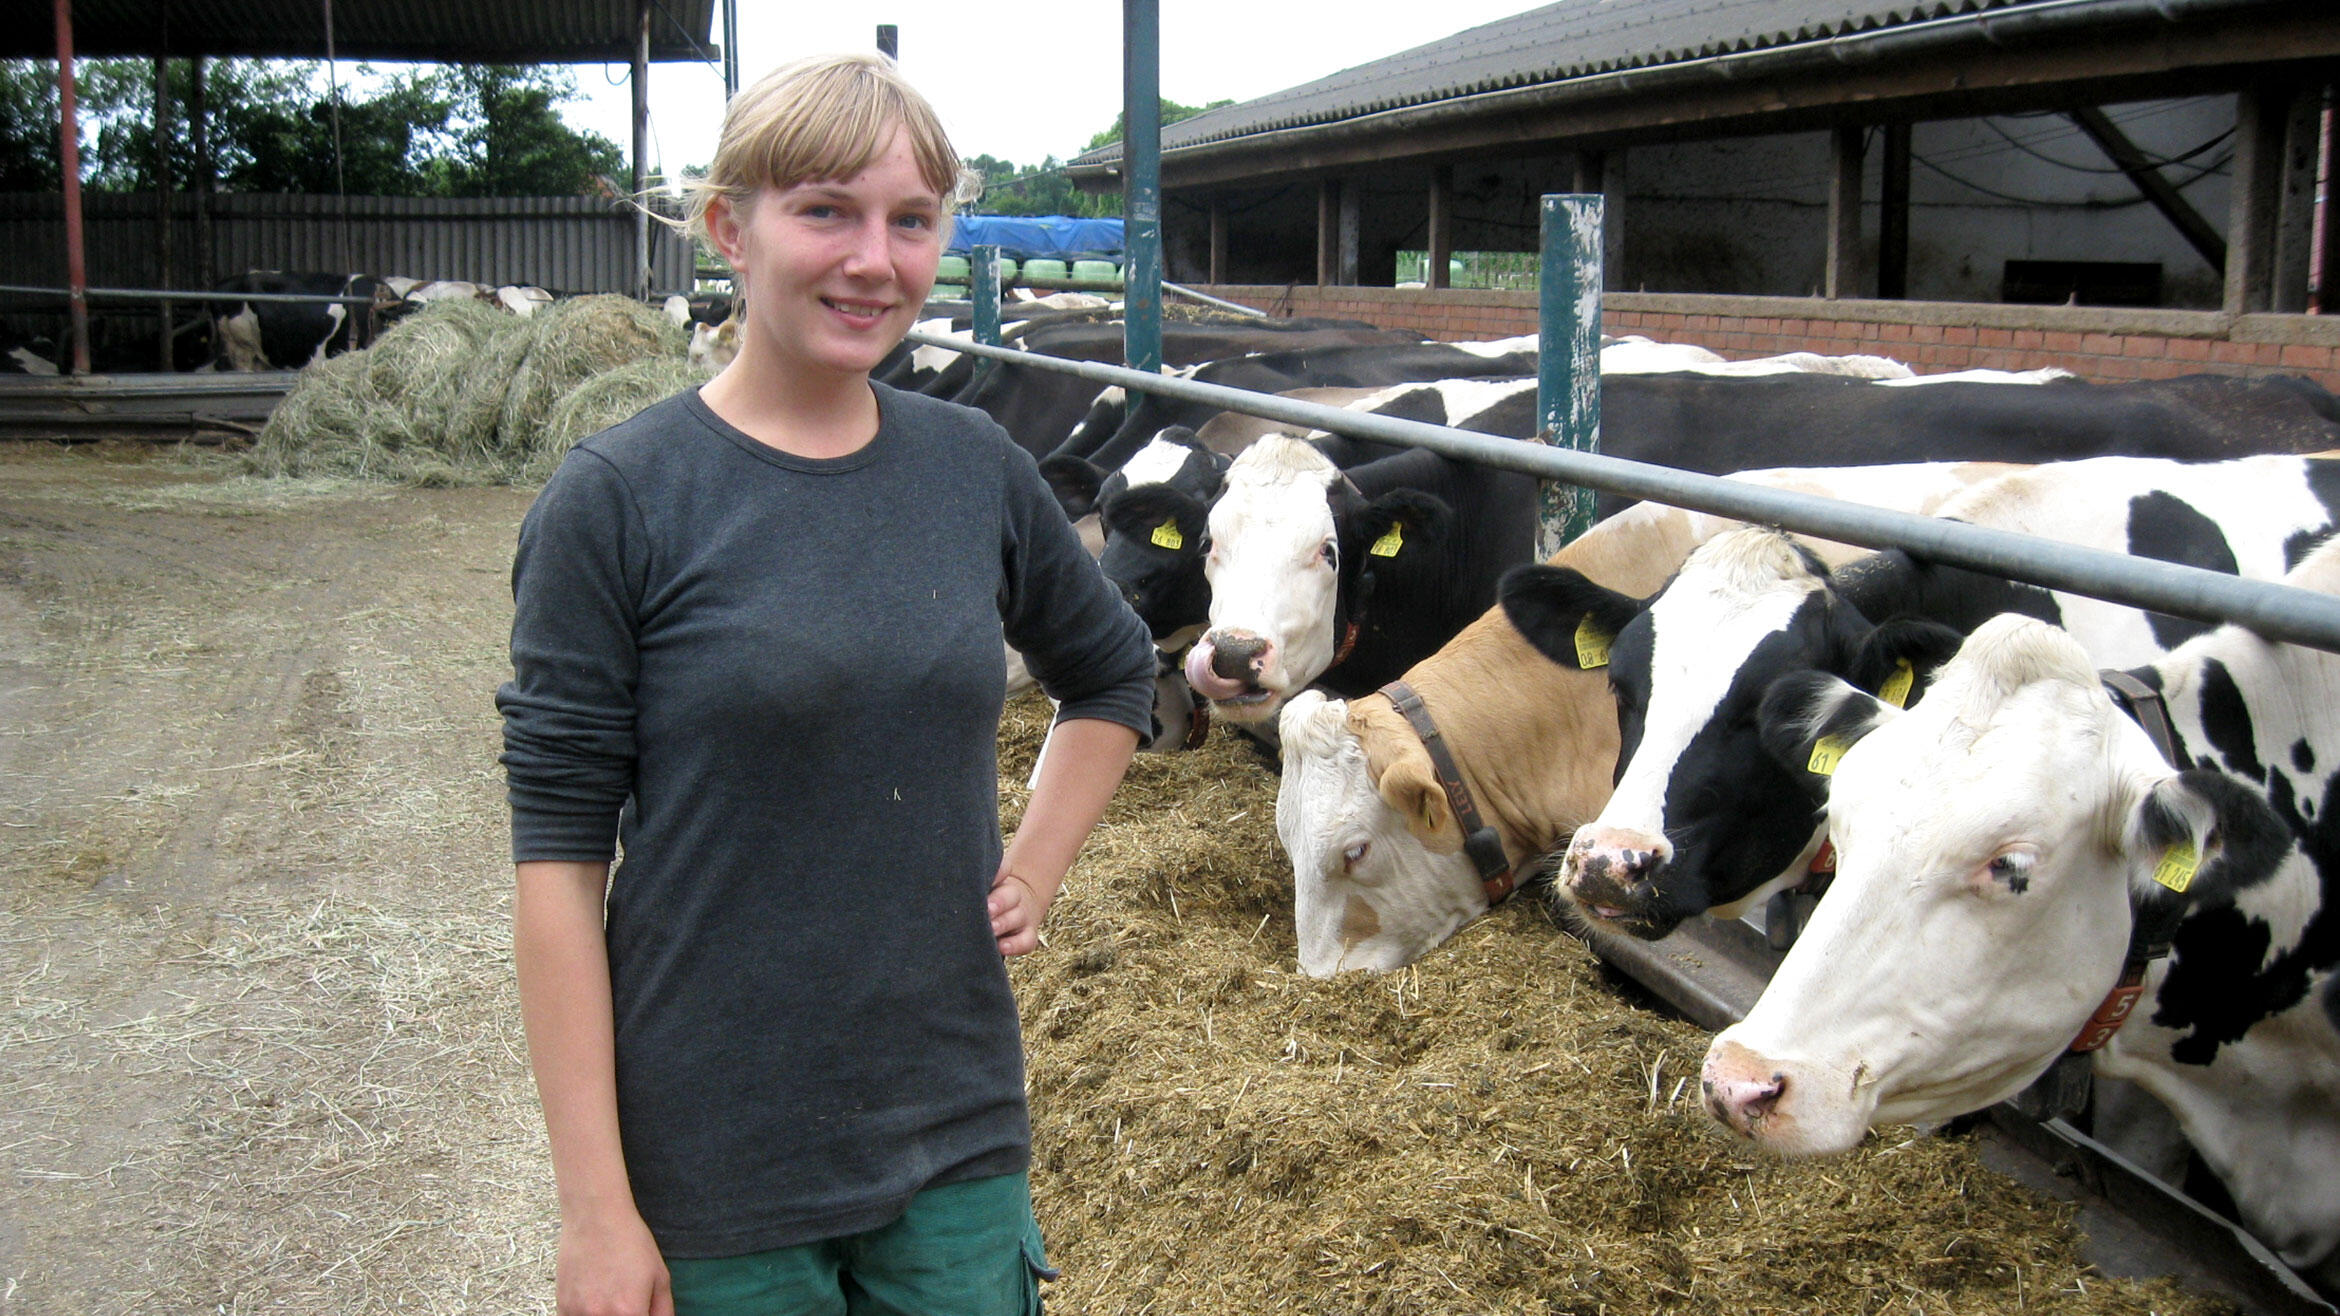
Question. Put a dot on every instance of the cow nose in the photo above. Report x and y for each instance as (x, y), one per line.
(1240, 656)
(1741, 1088)
(1610, 864)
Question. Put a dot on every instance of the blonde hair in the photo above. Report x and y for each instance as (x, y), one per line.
(827, 117)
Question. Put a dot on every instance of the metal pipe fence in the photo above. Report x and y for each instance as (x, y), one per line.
(2278, 612)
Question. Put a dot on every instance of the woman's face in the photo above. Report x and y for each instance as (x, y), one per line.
(837, 270)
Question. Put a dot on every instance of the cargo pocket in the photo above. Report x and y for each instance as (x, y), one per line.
(1036, 1267)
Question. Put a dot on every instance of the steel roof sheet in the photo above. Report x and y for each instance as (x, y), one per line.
(444, 31)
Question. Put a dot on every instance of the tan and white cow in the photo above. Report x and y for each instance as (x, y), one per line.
(1380, 877)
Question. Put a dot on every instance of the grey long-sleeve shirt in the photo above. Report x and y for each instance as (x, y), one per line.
(787, 672)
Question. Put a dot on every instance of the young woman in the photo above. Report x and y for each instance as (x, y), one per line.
(757, 641)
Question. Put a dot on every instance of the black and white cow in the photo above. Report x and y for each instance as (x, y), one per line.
(1153, 515)
(289, 335)
(2012, 848)
(1703, 817)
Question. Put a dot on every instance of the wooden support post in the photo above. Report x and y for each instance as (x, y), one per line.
(1328, 232)
(641, 78)
(1218, 271)
(199, 140)
(1893, 215)
(2327, 224)
(1352, 197)
(2295, 201)
(2252, 209)
(1842, 276)
(162, 202)
(1436, 262)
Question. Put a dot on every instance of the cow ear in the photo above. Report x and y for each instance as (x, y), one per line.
(1808, 719)
(1897, 659)
(1409, 786)
(1075, 483)
(2204, 836)
(1564, 614)
(1404, 527)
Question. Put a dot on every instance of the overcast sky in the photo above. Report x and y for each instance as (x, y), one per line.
(1036, 79)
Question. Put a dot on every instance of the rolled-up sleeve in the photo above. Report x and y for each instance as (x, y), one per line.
(1079, 638)
(568, 710)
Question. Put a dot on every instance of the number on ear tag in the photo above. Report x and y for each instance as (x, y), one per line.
(1389, 543)
(1827, 752)
(2178, 866)
(1896, 688)
(1166, 536)
(1592, 645)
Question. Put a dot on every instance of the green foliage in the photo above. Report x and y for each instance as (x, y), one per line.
(457, 130)
(1042, 189)
(1172, 112)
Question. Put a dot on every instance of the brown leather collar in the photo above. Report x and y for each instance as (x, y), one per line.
(2150, 932)
(1480, 842)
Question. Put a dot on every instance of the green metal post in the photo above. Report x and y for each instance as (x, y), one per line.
(1141, 52)
(1568, 374)
(983, 289)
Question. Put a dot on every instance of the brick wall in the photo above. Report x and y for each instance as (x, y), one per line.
(1932, 337)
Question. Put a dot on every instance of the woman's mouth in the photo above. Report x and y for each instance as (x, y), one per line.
(858, 313)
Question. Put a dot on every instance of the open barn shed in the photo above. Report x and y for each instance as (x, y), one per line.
(188, 234)
(2126, 188)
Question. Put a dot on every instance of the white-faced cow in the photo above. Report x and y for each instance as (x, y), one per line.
(1703, 817)
(2015, 850)
(1381, 869)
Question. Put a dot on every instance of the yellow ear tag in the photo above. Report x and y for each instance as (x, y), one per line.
(1827, 752)
(1896, 688)
(1389, 544)
(1166, 536)
(2178, 866)
(1592, 645)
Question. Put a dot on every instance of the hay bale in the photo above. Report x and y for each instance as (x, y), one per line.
(1495, 1129)
(603, 401)
(461, 392)
(573, 340)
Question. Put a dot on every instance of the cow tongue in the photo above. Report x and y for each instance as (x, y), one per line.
(1206, 682)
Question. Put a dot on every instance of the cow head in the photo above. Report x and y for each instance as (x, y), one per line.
(1992, 845)
(1295, 554)
(1154, 514)
(1370, 890)
(1702, 816)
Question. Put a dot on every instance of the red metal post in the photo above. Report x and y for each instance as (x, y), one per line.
(69, 151)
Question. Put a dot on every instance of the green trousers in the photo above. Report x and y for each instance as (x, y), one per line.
(964, 1249)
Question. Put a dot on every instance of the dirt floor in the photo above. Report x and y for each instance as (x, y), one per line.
(260, 1050)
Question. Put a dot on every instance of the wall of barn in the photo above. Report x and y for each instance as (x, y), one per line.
(2098, 343)
(568, 244)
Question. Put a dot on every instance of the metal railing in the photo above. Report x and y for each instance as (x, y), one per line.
(2278, 612)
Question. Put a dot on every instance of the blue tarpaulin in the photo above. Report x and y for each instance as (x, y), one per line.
(1021, 237)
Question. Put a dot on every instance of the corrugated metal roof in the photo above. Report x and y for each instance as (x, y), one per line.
(1554, 44)
(440, 31)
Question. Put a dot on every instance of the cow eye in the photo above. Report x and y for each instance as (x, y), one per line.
(1330, 553)
(1355, 854)
(2012, 869)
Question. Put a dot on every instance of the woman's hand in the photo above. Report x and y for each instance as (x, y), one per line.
(1017, 910)
(609, 1266)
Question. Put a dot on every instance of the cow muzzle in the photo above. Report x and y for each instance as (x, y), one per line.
(1226, 667)
(1611, 874)
(1782, 1107)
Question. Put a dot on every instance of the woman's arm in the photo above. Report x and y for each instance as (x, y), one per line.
(608, 1262)
(1080, 768)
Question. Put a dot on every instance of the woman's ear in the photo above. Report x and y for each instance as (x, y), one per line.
(727, 228)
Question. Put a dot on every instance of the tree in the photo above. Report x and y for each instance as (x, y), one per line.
(1171, 111)
(28, 126)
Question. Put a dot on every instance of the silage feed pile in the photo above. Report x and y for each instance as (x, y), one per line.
(462, 393)
(1496, 1129)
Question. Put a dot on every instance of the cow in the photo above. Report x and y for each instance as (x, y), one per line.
(1152, 523)
(1702, 817)
(2014, 855)
(289, 335)
(1349, 577)
(1381, 873)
